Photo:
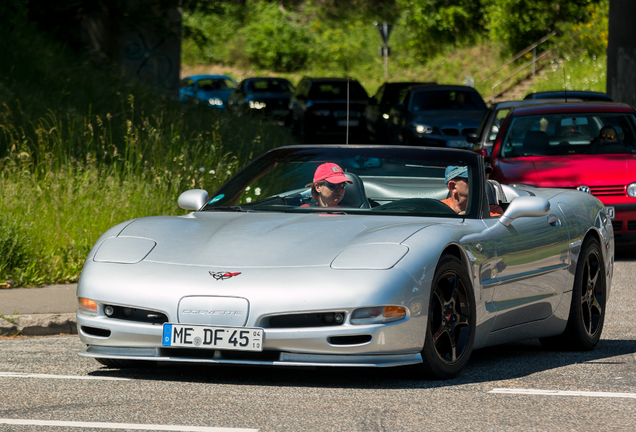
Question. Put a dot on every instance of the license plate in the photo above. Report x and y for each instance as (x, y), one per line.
(460, 144)
(351, 122)
(611, 212)
(224, 338)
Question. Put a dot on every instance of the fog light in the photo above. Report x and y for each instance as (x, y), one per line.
(109, 311)
(338, 318)
(127, 312)
(87, 305)
(631, 190)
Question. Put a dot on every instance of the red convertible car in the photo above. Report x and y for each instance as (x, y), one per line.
(589, 146)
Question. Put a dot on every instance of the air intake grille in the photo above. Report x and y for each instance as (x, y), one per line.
(631, 225)
(607, 190)
(450, 131)
(617, 225)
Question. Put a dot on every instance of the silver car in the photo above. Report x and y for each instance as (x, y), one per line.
(262, 272)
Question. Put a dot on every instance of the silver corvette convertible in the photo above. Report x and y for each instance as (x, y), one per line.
(364, 256)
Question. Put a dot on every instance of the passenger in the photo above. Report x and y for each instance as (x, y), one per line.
(456, 178)
(328, 187)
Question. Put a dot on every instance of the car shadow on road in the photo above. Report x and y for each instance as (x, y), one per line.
(503, 362)
(625, 253)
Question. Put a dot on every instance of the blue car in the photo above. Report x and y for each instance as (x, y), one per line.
(206, 90)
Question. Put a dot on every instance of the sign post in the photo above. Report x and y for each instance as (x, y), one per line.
(384, 30)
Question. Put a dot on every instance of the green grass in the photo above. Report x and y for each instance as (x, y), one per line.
(82, 149)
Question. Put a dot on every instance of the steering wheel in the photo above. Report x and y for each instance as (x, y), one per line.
(416, 205)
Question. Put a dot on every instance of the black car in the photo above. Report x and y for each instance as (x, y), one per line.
(574, 94)
(377, 113)
(438, 116)
(262, 96)
(319, 108)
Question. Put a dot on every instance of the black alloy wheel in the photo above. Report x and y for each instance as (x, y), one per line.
(587, 310)
(451, 321)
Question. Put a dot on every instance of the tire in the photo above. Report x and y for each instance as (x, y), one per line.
(587, 309)
(450, 330)
(126, 364)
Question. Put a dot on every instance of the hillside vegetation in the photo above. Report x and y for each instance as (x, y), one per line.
(82, 148)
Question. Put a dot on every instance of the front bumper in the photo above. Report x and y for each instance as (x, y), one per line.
(391, 344)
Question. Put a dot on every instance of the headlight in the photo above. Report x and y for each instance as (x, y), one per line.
(423, 129)
(385, 116)
(257, 104)
(631, 190)
(323, 113)
(378, 315)
(215, 102)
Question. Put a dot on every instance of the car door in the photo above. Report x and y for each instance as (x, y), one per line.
(531, 268)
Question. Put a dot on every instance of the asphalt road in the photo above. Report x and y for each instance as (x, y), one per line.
(512, 387)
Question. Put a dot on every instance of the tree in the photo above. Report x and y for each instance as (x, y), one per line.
(621, 52)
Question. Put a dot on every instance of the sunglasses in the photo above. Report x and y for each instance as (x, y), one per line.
(335, 186)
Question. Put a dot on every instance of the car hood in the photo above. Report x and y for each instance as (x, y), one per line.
(570, 171)
(253, 239)
(221, 94)
(447, 118)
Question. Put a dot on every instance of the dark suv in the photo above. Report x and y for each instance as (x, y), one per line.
(319, 108)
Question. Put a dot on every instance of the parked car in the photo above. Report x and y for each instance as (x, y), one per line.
(568, 146)
(206, 90)
(262, 96)
(440, 116)
(319, 108)
(494, 117)
(576, 94)
(258, 274)
(377, 112)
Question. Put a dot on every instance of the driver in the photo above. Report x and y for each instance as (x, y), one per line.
(329, 185)
(456, 178)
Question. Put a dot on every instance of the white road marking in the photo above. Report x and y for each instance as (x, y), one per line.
(562, 393)
(47, 376)
(129, 426)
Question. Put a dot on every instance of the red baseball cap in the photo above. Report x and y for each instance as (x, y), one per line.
(331, 173)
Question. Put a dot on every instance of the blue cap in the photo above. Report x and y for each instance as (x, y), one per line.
(453, 171)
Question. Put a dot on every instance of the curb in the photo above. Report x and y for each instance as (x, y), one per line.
(38, 324)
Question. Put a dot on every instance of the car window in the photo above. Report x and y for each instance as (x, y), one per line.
(272, 86)
(501, 115)
(436, 100)
(384, 181)
(331, 90)
(210, 84)
(565, 134)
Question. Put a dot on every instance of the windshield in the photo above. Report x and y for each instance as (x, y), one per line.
(332, 90)
(394, 181)
(435, 100)
(570, 134)
(271, 86)
(209, 84)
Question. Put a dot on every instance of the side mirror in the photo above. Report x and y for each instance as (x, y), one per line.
(526, 206)
(193, 199)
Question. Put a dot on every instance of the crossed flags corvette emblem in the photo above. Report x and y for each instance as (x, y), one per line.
(223, 275)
